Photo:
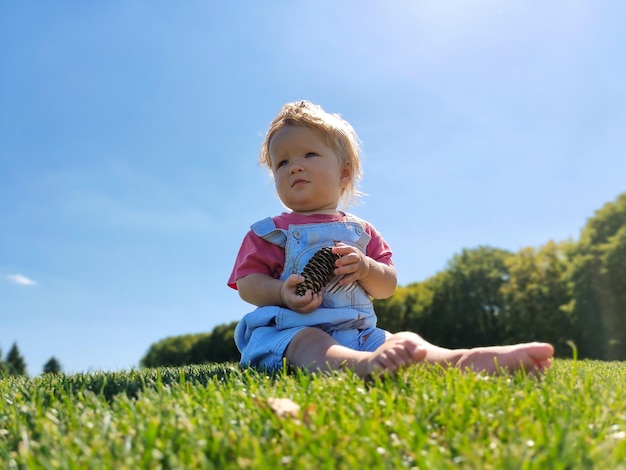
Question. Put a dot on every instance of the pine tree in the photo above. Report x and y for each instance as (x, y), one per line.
(53, 366)
(15, 361)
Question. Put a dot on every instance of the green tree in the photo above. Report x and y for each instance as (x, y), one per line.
(467, 302)
(392, 312)
(597, 283)
(171, 351)
(15, 362)
(614, 273)
(537, 296)
(217, 346)
(408, 309)
(461, 306)
(53, 366)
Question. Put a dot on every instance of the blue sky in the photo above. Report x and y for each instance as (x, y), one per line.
(129, 134)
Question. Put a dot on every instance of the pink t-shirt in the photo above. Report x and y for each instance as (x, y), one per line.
(257, 255)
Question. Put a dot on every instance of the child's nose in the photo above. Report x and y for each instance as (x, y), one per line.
(295, 168)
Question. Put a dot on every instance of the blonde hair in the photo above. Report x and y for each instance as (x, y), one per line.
(336, 132)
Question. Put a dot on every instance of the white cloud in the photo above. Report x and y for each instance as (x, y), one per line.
(21, 280)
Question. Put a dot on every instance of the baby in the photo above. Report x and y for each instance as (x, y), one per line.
(314, 158)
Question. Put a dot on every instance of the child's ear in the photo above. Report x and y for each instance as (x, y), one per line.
(346, 175)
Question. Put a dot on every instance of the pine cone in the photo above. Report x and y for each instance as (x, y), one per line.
(318, 272)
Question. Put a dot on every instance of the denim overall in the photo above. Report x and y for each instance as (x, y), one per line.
(346, 313)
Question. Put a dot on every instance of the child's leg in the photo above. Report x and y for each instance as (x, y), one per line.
(314, 349)
(532, 357)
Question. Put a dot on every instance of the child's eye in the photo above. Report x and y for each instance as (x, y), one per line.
(281, 163)
(311, 154)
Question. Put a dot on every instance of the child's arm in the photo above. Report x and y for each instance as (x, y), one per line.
(263, 290)
(379, 280)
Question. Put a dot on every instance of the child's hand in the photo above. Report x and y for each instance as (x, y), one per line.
(353, 263)
(299, 303)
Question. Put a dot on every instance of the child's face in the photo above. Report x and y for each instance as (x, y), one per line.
(307, 173)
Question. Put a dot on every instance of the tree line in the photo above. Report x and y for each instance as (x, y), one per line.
(15, 365)
(569, 293)
(217, 346)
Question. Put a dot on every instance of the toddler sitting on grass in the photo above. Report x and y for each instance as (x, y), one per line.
(314, 158)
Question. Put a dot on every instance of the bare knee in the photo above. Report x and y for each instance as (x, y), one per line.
(406, 335)
(301, 348)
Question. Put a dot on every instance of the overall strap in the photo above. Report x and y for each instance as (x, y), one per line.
(364, 238)
(267, 230)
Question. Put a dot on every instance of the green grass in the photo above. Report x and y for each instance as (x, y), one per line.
(221, 417)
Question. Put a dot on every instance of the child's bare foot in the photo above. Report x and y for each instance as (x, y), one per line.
(532, 357)
(399, 350)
